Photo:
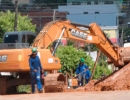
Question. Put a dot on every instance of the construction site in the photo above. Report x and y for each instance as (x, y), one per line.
(56, 82)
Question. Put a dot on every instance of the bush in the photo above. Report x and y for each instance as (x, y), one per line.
(24, 88)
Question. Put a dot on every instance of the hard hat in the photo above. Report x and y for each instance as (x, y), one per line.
(82, 60)
(34, 50)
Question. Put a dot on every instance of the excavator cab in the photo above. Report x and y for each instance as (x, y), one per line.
(17, 40)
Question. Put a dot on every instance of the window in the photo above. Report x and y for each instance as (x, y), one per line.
(85, 12)
(89, 2)
(23, 39)
(76, 3)
(106, 2)
(11, 38)
(96, 12)
(30, 39)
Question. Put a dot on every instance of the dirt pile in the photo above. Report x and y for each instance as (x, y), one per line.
(87, 87)
(120, 80)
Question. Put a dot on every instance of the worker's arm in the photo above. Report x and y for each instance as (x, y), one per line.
(86, 67)
(40, 64)
(30, 64)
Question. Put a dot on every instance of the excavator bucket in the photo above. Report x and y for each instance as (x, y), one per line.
(54, 82)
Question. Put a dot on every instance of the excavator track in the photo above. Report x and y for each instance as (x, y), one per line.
(54, 83)
(8, 84)
(3, 84)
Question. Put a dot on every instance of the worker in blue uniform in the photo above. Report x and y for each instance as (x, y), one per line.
(88, 75)
(35, 68)
(81, 72)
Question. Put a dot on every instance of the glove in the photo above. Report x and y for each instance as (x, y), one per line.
(75, 75)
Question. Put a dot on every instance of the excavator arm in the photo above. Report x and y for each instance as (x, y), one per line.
(56, 30)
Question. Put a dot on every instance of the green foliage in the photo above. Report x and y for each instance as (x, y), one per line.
(70, 43)
(70, 56)
(100, 70)
(51, 3)
(24, 88)
(91, 46)
(7, 23)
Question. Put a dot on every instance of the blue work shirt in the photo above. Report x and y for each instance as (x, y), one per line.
(88, 74)
(81, 68)
(35, 63)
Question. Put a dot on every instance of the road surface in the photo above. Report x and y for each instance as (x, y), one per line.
(112, 95)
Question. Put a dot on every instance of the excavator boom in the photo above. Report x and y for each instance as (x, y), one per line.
(56, 30)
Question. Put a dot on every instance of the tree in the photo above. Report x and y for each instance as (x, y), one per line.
(7, 23)
(50, 3)
(70, 56)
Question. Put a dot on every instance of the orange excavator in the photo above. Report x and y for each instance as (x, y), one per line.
(14, 57)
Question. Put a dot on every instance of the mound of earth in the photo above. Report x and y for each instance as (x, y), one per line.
(119, 80)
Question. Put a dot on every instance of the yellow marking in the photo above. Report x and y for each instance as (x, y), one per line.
(19, 57)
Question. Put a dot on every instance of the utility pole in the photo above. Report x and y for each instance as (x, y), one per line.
(54, 13)
(16, 15)
(122, 36)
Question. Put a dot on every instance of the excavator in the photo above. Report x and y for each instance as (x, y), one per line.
(15, 59)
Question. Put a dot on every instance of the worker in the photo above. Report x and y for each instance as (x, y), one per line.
(81, 72)
(88, 75)
(35, 69)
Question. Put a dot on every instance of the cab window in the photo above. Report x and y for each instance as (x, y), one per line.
(23, 39)
(13, 38)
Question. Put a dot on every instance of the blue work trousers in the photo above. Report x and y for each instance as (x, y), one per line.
(35, 79)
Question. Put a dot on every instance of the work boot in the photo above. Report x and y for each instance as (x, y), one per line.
(41, 91)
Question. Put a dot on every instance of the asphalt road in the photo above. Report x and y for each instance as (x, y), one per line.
(112, 95)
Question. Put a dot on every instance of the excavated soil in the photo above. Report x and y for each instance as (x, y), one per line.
(119, 80)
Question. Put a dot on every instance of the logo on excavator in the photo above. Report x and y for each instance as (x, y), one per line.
(3, 58)
(78, 34)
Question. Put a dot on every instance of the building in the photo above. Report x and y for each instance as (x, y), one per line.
(92, 2)
(87, 14)
(41, 17)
